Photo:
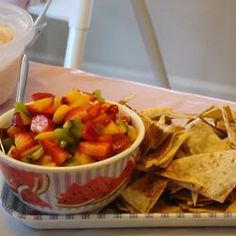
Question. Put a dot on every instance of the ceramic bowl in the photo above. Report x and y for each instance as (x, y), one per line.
(75, 189)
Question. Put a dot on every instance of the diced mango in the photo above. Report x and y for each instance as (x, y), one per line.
(75, 98)
(132, 133)
(61, 113)
(76, 113)
(82, 158)
(44, 159)
(45, 135)
(123, 127)
(39, 106)
(56, 102)
(111, 128)
(52, 164)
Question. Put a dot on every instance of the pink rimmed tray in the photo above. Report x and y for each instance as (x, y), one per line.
(109, 219)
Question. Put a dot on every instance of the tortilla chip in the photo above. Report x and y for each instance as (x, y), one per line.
(173, 187)
(165, 152)
(220, 125)
(144, 193)
(186, 196)
(183, 151)
(212, 112)
(215, 113)
(125, 100)
(213, 208)
(182, 195)
(187, 163)
(154, 135)
(202, 138)
(231, 208)
(213, 173)
(189, 186)
(155, 113)
(229, 113)
(232, 196)
(152, 113)
(194, 195)
(164, 206)
(124, 206)
(230, 125)
(221, 133)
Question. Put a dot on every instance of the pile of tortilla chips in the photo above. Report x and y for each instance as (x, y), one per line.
(187, 163)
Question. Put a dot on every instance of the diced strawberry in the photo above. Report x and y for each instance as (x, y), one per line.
(41, 123)
(17, 121)
(58, 154)
(112, 111)
(14, 152)
(65, 101)
(90, 131)
(24, 141)
(120, 142)
(44, 159)
(50, 111)
(39, 106)
(98, 150)
(103, 119)
(78, 112)
(39, 95)
(95, 111)
(105, 138)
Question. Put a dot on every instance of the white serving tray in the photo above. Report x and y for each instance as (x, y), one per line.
(34, 219)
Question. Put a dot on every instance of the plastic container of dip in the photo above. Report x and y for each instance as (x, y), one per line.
(19, 23)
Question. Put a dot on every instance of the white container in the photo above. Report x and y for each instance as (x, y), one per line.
(20, 24)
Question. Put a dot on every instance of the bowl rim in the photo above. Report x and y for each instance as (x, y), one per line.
(137, 122)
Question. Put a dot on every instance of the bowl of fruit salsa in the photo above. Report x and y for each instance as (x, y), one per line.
(69, 154)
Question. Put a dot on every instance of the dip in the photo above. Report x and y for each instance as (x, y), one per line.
(5, 34)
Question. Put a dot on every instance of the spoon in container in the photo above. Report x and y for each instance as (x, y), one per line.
(20, 91)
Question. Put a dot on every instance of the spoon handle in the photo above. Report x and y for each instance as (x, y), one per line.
(20, 92)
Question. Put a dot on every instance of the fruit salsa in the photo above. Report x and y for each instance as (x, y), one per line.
(75, 129)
